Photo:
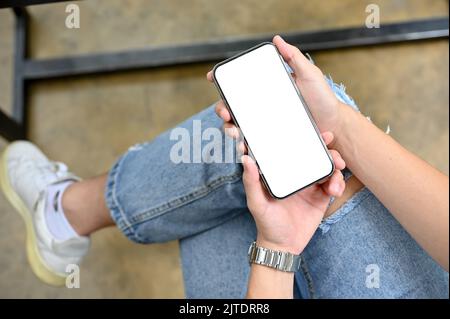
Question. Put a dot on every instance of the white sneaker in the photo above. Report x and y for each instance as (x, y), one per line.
(25, 174)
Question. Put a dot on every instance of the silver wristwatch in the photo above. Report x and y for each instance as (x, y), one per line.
(279, 260)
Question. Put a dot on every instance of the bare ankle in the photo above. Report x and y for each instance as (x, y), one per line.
(85, 206)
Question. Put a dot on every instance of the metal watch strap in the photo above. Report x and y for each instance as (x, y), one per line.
(279, 260)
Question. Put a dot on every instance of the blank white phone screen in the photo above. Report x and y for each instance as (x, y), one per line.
(271, 116)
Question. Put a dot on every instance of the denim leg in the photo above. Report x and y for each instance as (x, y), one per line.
(215, 262)
(153, 199)
(365, 253)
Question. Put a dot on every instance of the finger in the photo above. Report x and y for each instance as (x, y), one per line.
(327, 137)
(222, 111)
(231, 130)
(314, 192)
(302, 67)
(241, 147)
(335, 186)
(209, 76)
(338, 161)
(253, 188)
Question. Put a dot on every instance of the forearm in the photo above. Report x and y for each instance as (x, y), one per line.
(414, 192)
(268, 283)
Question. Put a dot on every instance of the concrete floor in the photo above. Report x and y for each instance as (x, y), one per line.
(88, 122)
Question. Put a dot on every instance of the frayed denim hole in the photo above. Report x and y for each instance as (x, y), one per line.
(344, 210)
(339, 91)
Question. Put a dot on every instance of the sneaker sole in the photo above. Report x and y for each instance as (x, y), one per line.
(40, 269)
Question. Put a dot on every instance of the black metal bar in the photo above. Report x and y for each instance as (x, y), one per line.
(20, 54)
(23, 3)
(9, 128)
(27, 69)
(433, 28)
(217, 50)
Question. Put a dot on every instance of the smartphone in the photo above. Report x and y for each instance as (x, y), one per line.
(273, 119)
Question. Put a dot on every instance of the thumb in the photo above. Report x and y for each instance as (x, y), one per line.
(253, 188)
(303, 68)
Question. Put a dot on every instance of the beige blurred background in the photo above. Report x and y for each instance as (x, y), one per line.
(89, 121)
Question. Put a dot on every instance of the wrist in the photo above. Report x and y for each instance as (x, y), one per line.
(283, 247)
(345, 131)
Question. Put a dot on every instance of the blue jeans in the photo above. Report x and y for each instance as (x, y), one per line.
(360, 251)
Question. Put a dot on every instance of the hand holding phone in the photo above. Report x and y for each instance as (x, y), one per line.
(274, 120)
(288, 224)
(278, 221)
